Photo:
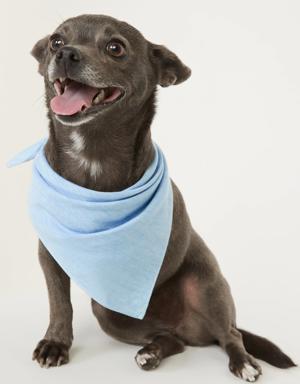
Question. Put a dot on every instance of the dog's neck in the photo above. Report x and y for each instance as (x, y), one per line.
(105, 154)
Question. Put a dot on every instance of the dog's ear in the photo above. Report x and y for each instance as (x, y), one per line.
(39, 52)
(169, 68)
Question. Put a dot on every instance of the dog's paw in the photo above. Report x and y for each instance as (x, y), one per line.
(249, 373)
(248, 369)
(51, 353)
(147, 359)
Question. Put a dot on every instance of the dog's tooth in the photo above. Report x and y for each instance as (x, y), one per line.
(100, 97)
(57, 88)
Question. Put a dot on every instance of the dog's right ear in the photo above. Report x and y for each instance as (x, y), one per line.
(39, 52)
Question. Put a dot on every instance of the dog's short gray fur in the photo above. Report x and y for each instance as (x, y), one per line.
(108, 149)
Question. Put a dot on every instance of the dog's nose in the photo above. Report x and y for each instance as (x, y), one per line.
(68, 54)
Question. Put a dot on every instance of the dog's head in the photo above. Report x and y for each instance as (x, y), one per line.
(94, 65)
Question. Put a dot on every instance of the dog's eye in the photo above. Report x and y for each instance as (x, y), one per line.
(116, 49)
(56, 42)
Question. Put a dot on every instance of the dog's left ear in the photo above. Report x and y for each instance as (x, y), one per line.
(169, 68)
(39, 52)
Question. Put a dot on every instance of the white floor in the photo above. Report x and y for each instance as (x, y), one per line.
(96, 358)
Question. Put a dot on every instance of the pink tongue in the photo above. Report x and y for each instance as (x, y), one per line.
(75, 97)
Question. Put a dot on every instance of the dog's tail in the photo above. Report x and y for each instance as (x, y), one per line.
(264, 349)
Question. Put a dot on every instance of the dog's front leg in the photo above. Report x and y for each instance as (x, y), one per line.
(53, 349)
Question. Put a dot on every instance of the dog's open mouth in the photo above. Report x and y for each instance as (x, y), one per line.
(73, 97)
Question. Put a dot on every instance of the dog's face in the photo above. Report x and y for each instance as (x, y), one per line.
(94, 65)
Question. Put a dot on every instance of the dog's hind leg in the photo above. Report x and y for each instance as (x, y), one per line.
(208, 297)
(241, 363)
(164, 345)
(220, 315)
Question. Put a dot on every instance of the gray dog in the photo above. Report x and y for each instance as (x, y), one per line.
(104, 144)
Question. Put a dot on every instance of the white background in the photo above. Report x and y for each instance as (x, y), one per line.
(231, 137)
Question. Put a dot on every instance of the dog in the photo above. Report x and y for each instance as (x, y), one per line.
(106, 74)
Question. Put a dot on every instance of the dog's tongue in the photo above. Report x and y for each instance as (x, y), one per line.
(75, 97)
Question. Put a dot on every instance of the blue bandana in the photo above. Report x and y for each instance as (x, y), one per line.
(112, 244)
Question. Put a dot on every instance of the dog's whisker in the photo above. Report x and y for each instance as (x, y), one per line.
(39, 98)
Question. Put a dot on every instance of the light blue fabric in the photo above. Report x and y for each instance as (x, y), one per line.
(112, 244)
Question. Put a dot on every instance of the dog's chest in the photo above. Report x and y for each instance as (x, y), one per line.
(82, 159)
(86, 163)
